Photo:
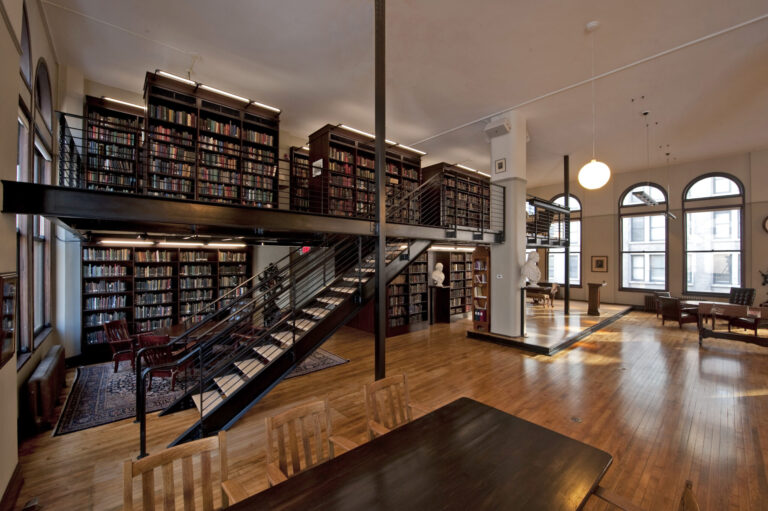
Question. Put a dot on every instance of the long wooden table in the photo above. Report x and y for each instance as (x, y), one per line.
(463, 456)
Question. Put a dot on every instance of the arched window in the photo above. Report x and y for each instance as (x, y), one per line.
(713, 207)
(26, 54)
(643, 222)
(556, 256)
(43, 100)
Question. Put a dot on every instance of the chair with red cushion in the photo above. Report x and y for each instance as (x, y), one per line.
(122, 343)
(161, 354)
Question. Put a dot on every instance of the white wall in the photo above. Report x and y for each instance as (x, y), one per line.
(600, 221)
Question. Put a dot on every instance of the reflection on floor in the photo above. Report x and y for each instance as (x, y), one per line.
(550, 330)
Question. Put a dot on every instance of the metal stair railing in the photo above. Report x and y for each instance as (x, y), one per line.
(293, 286)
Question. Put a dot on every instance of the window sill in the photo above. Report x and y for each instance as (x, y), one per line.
(41, 337)
(22, 359)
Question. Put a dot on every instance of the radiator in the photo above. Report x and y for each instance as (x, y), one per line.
(650, 303)
(45, 385)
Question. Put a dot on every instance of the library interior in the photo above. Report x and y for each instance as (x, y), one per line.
(384, 255)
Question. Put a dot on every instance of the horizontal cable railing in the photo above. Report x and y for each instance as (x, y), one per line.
(547, 224)
(138, 162)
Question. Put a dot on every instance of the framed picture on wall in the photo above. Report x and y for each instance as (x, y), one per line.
(600, 263)
(501, 166)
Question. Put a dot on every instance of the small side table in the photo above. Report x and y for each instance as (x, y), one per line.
(594, 298)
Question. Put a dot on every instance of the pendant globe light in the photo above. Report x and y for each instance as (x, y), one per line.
(594, 174)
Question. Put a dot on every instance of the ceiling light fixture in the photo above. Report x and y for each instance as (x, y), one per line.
(180, 244)
(177, 78)
(133, 105)
(645, 198)
(226, 245)
(594, 174)
(359, 132)
(126, 242)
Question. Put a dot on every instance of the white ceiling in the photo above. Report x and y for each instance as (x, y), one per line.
(450, 62)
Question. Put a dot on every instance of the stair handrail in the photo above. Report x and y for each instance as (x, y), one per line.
(408, 196)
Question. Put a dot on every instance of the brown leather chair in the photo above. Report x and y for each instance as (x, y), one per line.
(742, 296)
(660, 294)
(161, 355)
(751, 322)
(122, 343)
(672, 309)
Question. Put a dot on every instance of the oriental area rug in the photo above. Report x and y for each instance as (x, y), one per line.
(100, 396)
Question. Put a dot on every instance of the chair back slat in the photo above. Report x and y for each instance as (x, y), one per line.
(205, 475)
(387, 401)
(165, 461)
(298, 438)
(169, 491)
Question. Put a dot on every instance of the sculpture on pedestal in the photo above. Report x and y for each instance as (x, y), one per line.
(438, 276)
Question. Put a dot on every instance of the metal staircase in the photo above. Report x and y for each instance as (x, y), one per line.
(241, 351)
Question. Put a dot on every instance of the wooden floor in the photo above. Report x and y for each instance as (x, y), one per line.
(665, 409)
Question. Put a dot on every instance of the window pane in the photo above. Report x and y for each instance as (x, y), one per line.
(714, 230)
(657, 268)
(38, 256)
(658, 228)
(713, 272)
(630, 199)
(712, 187)
(573, 202)
(637, 229)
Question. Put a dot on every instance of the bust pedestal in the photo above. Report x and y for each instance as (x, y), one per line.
(440, 307)
(593, 308)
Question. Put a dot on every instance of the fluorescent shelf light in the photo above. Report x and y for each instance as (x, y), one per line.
(451, 249)
(483, 174)
(127, 242)
(224, 93)
(180, 244)
(358, 131)
(306, 148)
(262, 105)
(388, 141)
(177, 78)
(411, 149)
(226, 245)
(466, 168)
(113, 100)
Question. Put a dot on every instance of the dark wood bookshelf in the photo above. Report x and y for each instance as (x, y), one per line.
(464, 196)
(460, 280)
(152, 287)
(481, 289)
(407, 302)
(342, 175)
(299, 160)
(208, 147)
(112, 142)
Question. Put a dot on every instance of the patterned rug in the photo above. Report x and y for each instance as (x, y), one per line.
(100, 396)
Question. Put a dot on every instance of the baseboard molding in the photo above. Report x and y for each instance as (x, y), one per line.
(12, 491)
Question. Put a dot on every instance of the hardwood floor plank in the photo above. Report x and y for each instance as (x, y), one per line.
(666, 410)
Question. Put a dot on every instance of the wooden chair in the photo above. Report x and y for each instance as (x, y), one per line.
(750, 322)
(388, 405)
(231, 491)
(161, 356)
(297, 437)
(687, 499)
(660, 294)
(671, 309)
(122, 343)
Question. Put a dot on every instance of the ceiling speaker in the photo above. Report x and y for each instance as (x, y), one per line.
(495, 128)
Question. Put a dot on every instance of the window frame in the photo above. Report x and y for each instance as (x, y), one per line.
(726, 203)
(575, 216)
(645, 211)
(25, 41)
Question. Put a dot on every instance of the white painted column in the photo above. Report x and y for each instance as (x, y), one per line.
(507, 133)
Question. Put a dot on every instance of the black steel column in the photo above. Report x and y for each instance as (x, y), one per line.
(380, 297)
(567, 189)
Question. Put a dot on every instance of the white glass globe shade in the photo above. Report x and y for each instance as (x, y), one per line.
(594, 175)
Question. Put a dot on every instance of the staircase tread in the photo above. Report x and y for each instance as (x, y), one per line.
(250, 366)
(303, 324)
(211, 400)
(229, 383)
(343, 289)
(330, 300)
(317, 312)
(269, 351)
(284, 337)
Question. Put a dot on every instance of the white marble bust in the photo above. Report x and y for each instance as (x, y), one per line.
(530, 271)
(438, 276)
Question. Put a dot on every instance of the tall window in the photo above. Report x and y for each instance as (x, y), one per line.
(556, 256)
(40, 247)
(643, 222)
(26, 56)
(713, 207)
(43, 99)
